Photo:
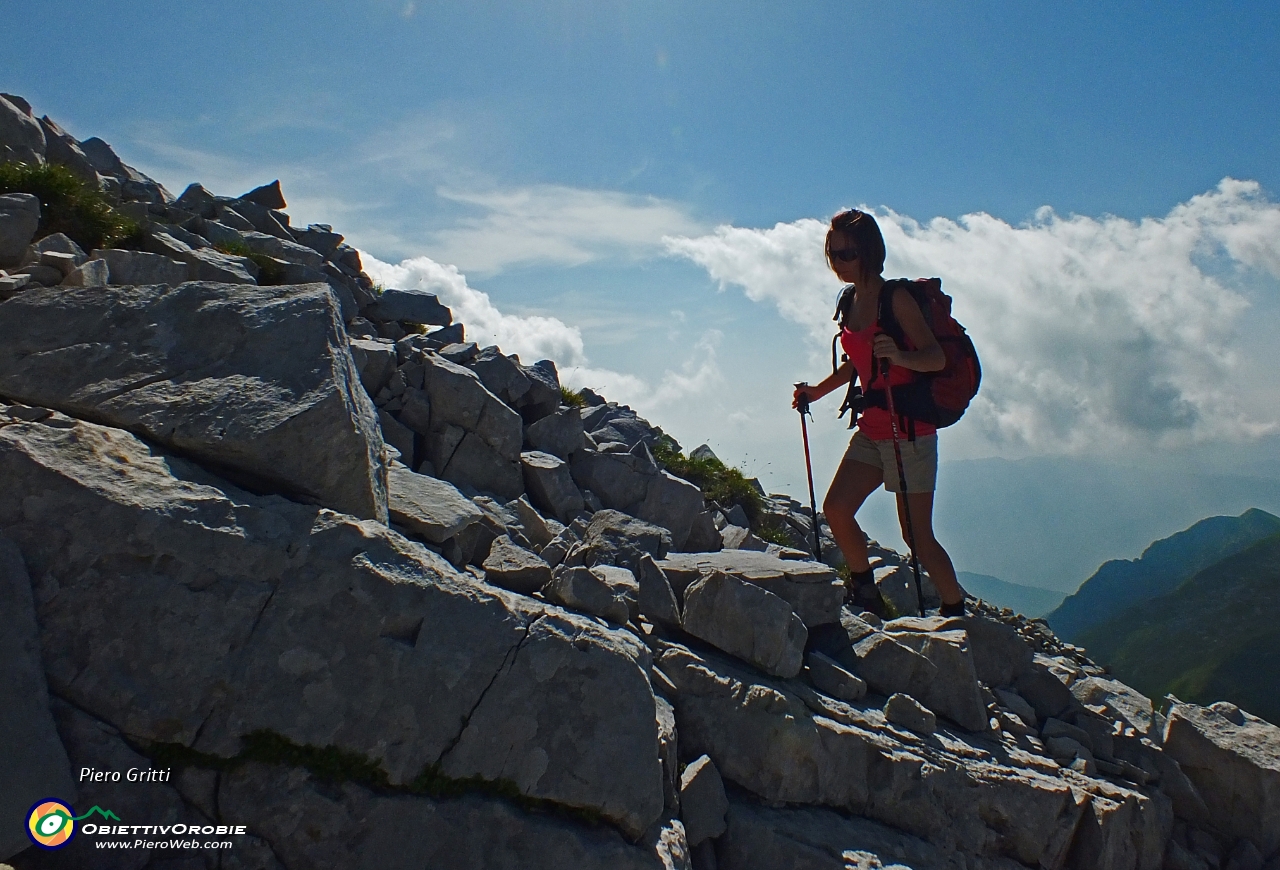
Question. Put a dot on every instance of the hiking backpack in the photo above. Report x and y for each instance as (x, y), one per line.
(937, 398)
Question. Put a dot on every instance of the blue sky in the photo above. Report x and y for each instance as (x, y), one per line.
(633, 188)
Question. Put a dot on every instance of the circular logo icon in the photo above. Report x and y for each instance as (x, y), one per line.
(51, 823)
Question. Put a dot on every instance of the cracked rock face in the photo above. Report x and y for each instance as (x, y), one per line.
(233, 376)
(180, 609)
(405, 833)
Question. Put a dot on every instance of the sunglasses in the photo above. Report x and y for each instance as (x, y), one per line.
(845, 255)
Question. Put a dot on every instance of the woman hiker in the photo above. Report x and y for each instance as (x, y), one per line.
(855, 252)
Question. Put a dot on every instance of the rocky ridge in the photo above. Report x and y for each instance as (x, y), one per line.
(391, 599)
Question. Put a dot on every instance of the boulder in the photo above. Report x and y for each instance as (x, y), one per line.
(1047, 695)
(543, 396)
(581, 589)
(267, 196)
(320, 238)
(891, 667)
(703, 803)
(623, 583)
(62, 148)
(409, 305)
(704, 537)
(762, 736)
(206, 264)
(375, 360)
(559, 433)
(672, 503)
(34, 764)
(813, 838)
(282, 249)
(740, 538)
(954, 691)
(906, 711)
(614, 538)
(199, 201)
(19, 219)
(397, 437)
(139, 267)
(487, 456)
(550, 484)
(813, 589)
(21, 137)
(501, 376)
(533, 524)
(746, 621)
(1235, 767)
(428, 507)
(829, 678)
(179, 609)
(515, 568)
(255, 381)
(93, 273)
(415, 414)
(1118, 700)
(620, 480)
(574, 717)
(657, 601)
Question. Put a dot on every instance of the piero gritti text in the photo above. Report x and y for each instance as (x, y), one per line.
(133, 774)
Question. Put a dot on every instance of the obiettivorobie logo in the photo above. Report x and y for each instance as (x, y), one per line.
(51, 823)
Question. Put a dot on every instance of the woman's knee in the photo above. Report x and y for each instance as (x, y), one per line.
(838, 504)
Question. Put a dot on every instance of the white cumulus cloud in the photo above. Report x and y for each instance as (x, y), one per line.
(556, 224)
(1092, 331)
(535, 337)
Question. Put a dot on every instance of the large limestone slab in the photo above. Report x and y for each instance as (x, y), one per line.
(1235, 766)
(321, 827)
(255, 381)
(813, 838)
(745, 621)
(409, 305)
(180, 609)
(522, 729)
(957, 795)
(813, 589)
(33, 763)
(429, 507)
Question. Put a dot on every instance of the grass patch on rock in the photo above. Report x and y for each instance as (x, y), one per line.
(68, 205)
(572, 398)
(269, 270)
(719, 483)
(333, 765)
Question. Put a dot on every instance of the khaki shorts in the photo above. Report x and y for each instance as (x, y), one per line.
(919, 460)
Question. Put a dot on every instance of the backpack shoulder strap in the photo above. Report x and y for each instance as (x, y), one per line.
(887, 320)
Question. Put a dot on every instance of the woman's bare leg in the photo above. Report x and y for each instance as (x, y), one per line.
(927, 549)
(854, 481)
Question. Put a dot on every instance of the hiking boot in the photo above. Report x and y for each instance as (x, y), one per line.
(949, 610)
(862, 594)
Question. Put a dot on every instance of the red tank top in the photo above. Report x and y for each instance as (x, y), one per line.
(874, 422)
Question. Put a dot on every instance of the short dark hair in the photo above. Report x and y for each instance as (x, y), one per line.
(865, 232)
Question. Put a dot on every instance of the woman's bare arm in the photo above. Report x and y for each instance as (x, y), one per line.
(826, 385)
(928, 355)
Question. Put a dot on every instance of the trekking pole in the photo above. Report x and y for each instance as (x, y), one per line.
(902, 483)
(802, 405)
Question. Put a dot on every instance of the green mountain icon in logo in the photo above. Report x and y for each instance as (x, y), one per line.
(106, 814)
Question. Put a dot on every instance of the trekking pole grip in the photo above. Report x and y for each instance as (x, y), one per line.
(802, 403)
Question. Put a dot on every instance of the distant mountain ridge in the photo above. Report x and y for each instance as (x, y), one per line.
(1163, 566)
(1214, 636)
(1027, 600)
